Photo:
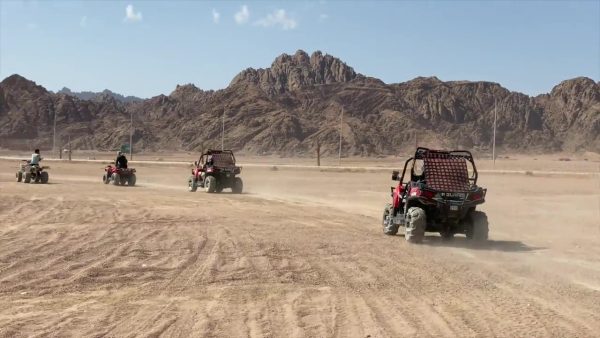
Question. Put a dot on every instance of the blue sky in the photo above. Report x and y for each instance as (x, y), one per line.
(146, 48)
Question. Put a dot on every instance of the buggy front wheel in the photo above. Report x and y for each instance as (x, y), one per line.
(192, 184)
(389, 228)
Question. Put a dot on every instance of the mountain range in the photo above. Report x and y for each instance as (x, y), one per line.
(87, 95)
(299, 101)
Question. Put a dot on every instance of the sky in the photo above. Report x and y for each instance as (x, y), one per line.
(146, 48)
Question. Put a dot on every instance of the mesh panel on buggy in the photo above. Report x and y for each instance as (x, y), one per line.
(223, 160)
(444, 172)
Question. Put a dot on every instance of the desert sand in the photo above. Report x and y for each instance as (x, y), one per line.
(300, 254)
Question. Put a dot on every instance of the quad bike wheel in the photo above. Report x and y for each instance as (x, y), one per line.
(43, 177)
(477, 228)
(123, 180)
(192, 184)
(238, 185)
(19, 176)
(116, 179)
(415, 225)
(105, 179)
(388, 228)
(210, 184)
(27, 178)
(131, 180)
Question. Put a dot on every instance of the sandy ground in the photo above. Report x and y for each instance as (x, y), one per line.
(300, 254)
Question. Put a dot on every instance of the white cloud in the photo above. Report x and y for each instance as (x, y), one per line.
(83, 21)
(323, 17)
(279, 17)
(131, 15)
(242, 16)
(216, 16)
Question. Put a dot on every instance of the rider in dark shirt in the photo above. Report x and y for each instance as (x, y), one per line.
(121, 161)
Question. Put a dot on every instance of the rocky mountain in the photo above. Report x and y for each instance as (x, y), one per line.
(87, 95)
(298, 101)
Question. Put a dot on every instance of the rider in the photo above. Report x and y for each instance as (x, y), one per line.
(121, 161)
(35, 158)
(210, 162)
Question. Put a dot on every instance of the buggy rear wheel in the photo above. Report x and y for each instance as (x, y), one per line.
(389, 228)
(415, 225)
(477, 228)
(19, 176)
(238, 185)
(210, 184)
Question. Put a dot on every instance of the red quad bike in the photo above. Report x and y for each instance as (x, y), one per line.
(215, 171)
(119, 176)
(440, 196)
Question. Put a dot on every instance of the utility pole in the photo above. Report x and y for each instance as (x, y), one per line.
(494, 133)
(54, 134)
(416, 140)
(340, 150)
(223, 132)
(318, 153)
(69, 147)
(130, 138)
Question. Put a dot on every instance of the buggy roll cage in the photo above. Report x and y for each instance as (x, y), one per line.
(421, 153)
(215, 152)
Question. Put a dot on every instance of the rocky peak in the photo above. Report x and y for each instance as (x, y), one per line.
(582, 88)
(292, 72)
(18, 83)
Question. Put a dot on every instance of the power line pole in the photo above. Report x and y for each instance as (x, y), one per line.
(416, 140)
(318, 152)
(131, 138)
(223, 132)
(494, 133)
(70, 150)
(340, 150)
(54, 134)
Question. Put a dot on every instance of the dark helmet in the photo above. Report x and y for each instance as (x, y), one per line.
(37, 151)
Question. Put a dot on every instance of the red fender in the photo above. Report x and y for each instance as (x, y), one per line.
(398, 195)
